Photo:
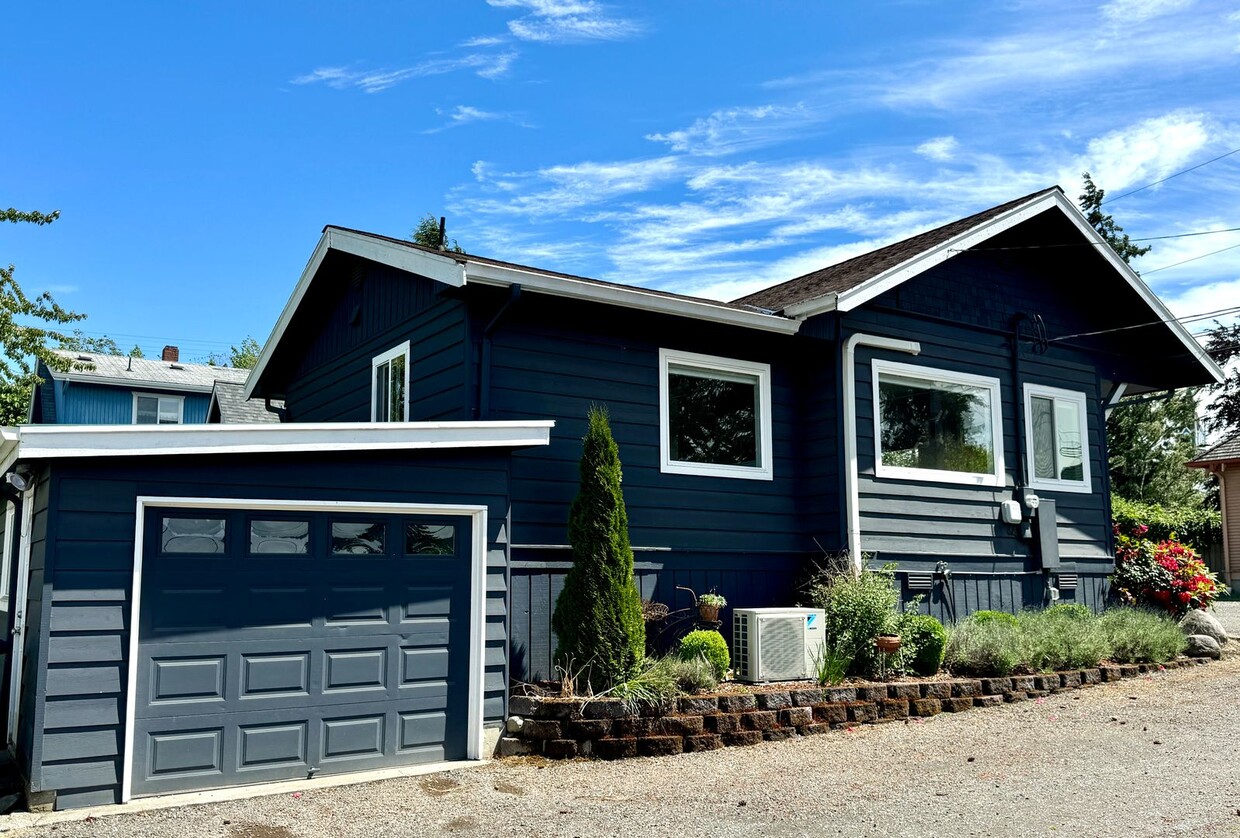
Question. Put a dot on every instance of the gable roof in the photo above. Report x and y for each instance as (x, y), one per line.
(1225, 451)
(144, 373)
(851, 273)
(229, 403)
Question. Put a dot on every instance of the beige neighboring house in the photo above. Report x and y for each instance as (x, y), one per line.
(1223, 460)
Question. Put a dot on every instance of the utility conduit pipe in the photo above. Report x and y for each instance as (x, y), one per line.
(851, 489)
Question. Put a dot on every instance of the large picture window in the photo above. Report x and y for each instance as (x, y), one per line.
(389, 390)
(715, 416)
(937, 425)
(152, 409)
(1056, 439)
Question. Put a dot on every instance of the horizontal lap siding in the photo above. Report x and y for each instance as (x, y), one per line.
(75, 732)
(332, 380)
(91, 404)
(919, 523)
(746, 580)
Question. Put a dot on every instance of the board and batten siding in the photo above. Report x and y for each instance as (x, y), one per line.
(72, 733)
(1230, 478)
(374, 309)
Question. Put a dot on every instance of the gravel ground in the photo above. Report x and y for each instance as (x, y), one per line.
(1151, 756)
(1228, 614)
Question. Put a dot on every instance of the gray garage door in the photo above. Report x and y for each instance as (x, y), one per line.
(277, 645)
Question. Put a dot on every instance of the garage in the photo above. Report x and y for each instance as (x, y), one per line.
(281, 643)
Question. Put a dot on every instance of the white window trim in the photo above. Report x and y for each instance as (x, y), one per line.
(932, 375)
(180, 400)
(1084, 487)
(727, 366)
(379, 360)
(5, 570)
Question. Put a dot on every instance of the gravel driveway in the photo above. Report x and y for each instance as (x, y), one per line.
(1152, 756)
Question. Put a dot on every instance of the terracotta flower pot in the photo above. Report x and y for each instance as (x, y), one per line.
(887, 642)
(709, 613)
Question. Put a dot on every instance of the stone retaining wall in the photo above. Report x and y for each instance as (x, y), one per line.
(604, 728)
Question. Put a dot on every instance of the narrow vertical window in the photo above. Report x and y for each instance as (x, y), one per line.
(389, 383)
(1057, 438)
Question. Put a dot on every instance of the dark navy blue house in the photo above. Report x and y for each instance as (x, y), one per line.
(355, 585)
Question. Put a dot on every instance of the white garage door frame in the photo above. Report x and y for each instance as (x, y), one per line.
(477, 592)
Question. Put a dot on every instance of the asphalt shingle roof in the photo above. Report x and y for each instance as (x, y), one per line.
(850, 273)
(145, 371)
(1228, 449)
(236, 409)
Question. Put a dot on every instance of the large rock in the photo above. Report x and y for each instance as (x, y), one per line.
(1203, 646)
(1203, 622)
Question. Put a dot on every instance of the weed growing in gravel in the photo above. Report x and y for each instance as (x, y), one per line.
(1140, 636)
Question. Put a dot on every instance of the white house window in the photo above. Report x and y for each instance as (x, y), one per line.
(937, 425)
(715, 416)
(150, 409)
(1056, 439)
(389, 385)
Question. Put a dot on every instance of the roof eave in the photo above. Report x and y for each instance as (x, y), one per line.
(132, 383)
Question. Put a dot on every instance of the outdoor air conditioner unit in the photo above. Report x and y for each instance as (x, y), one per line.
(776, 644)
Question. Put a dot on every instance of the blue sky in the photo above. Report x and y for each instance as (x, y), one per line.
(196, 150)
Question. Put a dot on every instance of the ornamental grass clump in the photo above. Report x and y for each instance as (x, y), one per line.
(1062, 637)
(598, 615)
(1138, 635)
(985, 648)
(658, 680)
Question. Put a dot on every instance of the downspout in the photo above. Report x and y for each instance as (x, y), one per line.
(484, 373)
(851, 479)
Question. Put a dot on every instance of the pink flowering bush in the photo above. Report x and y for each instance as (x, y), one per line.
(1162, 574)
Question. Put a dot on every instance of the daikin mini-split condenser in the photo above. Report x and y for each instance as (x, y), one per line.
(776, 644)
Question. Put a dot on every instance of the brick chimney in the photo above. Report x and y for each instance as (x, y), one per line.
(171, 353)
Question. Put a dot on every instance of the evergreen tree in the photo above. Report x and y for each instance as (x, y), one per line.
(1223, 345)
(1149, 443)
(1091, 204)
(598, 615)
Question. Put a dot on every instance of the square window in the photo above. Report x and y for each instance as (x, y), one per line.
(357, 538)
(150, 409)
(279, 538)
(937, 425)
(430, 539)
(1056, 439)
(715, 416)
(389, 385)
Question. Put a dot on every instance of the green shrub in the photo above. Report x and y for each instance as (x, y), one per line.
(992, 617)
(858, 609)
(1140, 636)
(693, 676)
(984, 648)
(708, 645)
(1072, 611)
(1067, 637)
(1193, 525)
(924, 642)
(598, 615)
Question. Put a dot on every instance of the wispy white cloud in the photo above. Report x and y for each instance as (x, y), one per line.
(483, 41)
(738, 129)
(566, 21)
(487, 65)
(1127, 12)
(466, 114)
(941, 149)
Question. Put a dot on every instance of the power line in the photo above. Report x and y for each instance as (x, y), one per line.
(1096, 244)
(1192, 259)
(1169, 177)
(1188, 318)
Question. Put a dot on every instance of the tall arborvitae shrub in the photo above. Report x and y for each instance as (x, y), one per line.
(598, 616)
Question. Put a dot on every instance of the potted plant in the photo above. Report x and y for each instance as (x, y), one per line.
(709, 605)
(888, 643)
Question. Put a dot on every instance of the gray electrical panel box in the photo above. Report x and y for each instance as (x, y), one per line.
(1046, 534)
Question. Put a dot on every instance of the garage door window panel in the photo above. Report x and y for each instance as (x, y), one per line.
(273, 538)
(358, 538)
(193, 536)
(423, 538)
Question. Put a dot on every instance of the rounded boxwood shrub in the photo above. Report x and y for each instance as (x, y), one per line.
(980, 617)
(924, 642)
(708, 645)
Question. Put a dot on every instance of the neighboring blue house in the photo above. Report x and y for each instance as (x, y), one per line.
(116, 389)
(353, 587)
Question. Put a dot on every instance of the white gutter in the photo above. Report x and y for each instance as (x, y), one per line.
(851, 479)
(33, 442)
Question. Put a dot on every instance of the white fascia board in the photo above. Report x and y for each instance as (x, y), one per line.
(890, 278)
(132, 383)
(445, 269)
(35, 442)
(486, 274)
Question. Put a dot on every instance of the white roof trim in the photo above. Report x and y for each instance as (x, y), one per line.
(444, 269)
(871, 288)
(559, 286)
(450, 271)
(35, 442)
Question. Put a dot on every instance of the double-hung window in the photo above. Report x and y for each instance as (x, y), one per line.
(152, 409)
(389, 385)
(938, 425)
(715, 416)
(1056, 439)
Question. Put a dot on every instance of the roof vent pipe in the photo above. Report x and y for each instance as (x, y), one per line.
(849, 372)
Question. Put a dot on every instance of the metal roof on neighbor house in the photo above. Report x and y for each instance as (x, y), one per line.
(123, 371)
